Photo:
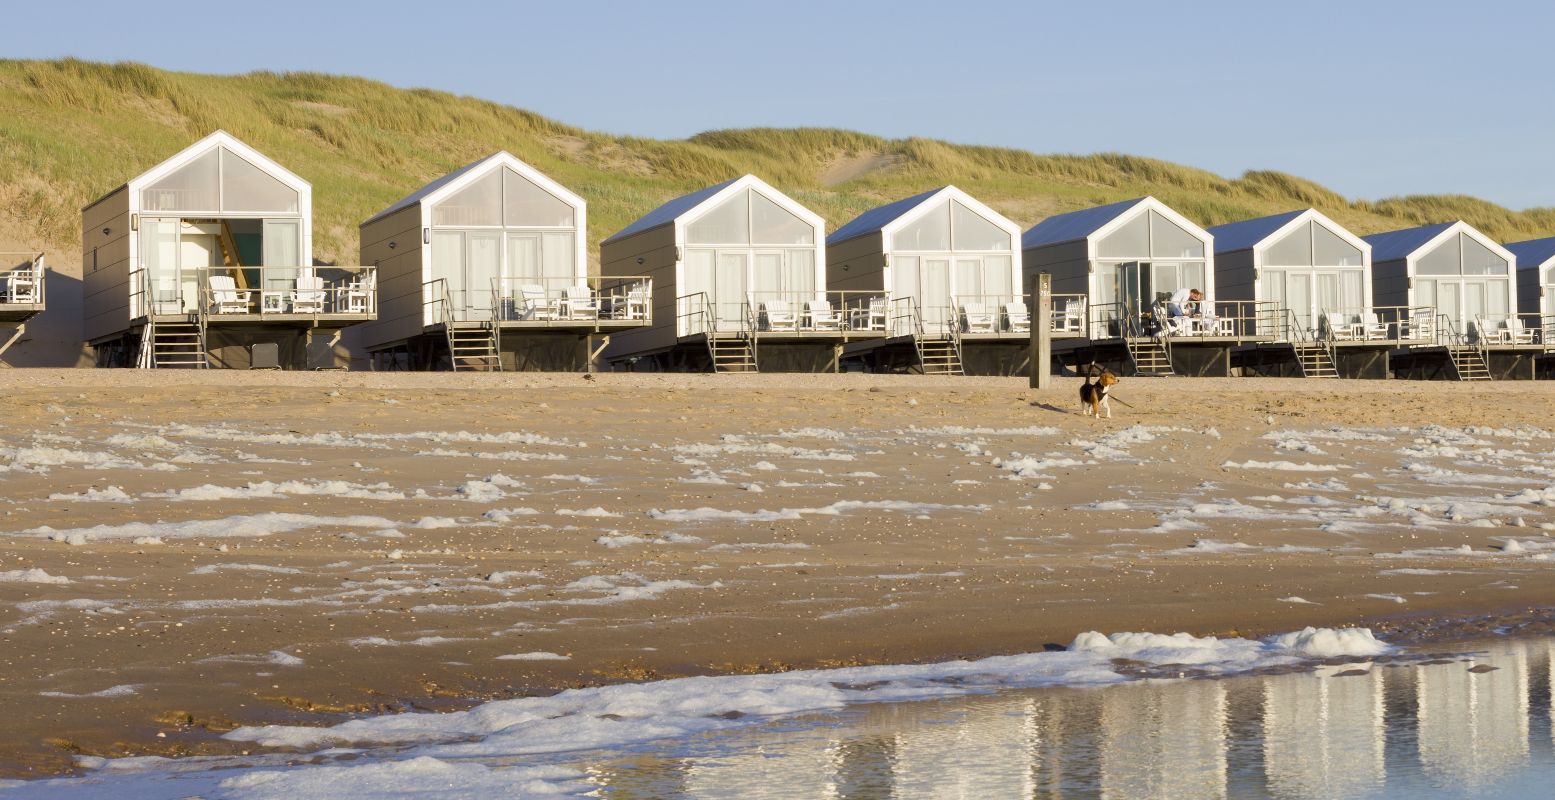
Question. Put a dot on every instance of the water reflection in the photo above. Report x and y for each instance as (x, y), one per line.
(1351, 730)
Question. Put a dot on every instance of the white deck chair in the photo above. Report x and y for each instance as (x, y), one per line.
(578, 302)
(308, 297)
(536, 304)
(226, 297)
(778, 316)
(1516, 333)
(1069, 320)
(355, 296)
(1377, 328)
(870, 317)
(21, 287)
(1017, 318)
(976, 319)
(821, 317)
(1341, 329)
(637, 302)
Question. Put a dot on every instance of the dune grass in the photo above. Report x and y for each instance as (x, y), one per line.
(73, 130)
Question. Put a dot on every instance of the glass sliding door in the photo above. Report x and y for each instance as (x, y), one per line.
(696, 294)
(482, 263)
(447, 273)
(934, 296)
(905, 274)
(1448, 304)
(1298, 296)
(159, 260)
(1271, 290)
(730, 286)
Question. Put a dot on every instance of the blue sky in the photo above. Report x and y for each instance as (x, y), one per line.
(1372, 99)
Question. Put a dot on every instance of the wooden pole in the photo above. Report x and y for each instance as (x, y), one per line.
(1042, 331)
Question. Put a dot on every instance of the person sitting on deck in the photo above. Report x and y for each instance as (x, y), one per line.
(1177, 306)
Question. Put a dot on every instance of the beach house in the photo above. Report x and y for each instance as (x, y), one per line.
(942, 278)
(1471, 281)
(206, 260)
(1314, 277)
(486, 269)
(739, 276)
(1128, 259)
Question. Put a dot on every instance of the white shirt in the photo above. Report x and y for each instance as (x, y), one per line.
(1180, 298)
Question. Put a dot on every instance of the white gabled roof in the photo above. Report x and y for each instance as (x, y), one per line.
(889, 218)
(220, 139)
(1255, 234)
(437, 190)
(1411, 243)
(1094, 224)
(686, 209)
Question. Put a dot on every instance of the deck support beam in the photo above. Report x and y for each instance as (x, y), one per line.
(15, 334)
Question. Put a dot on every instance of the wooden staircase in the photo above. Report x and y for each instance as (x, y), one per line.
(173, 345)
(1314, 360)
(938, 356)
(1468, 363)
(733, 352)
(474, 347)
(1150, 356)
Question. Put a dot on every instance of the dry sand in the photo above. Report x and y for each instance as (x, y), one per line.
(367, 612)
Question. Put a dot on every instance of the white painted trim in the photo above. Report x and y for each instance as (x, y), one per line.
(760, 186)
(482, 168)
(1312, 215)
(950, 193)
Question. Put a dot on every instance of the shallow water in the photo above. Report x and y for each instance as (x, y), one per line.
(1474, 724)
(1374, 730)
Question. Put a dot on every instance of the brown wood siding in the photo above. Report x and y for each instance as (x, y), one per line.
(401, 275)
(656, 248)
(105, 284)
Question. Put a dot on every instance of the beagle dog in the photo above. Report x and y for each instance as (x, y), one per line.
(1093, 395)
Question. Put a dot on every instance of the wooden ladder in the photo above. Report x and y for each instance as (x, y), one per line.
(1314, 360)
(474, 347)
(1468, 362)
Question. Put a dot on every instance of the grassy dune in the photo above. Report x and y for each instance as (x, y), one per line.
(73, 130)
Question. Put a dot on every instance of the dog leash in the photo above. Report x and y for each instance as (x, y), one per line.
(1119, 400)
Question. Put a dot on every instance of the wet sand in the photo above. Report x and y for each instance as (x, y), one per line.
(927, 519)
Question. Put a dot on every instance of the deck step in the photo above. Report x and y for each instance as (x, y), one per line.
(175, 345)
(938, 356)
(474, 349)
(733, 353)
(1150, 357)
(1315, 361)
(1468, 363)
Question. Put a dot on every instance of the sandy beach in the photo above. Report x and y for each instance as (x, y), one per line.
(188, 552)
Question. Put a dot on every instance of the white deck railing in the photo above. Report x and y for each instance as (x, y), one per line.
(563, 302)
(231, 292)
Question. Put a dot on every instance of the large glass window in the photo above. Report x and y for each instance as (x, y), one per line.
(526, 205)
(1332, 250)
(1294, 250)
(479, 204)
(194, 187)
(930, 232)
(247, 188)
(774, 224)
(727, 223)
(1461, 254)
(1481, 260)
(220, 181)
(1130, 241)
(971, 231)
(1168, 240)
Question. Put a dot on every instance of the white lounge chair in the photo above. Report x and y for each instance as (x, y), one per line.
(1340, 329)
(776, 315)
(578, 302)
(819, 316)
(226, 297)
(308, 297)
(1376, 328)
(976, 319)
(868, 318)
(536, 304)
(1516, 333)
(1016, 318)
